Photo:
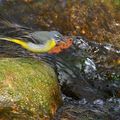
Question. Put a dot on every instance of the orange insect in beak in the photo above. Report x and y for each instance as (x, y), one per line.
(62, 45)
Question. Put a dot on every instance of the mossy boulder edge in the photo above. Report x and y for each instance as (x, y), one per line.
(28, 89)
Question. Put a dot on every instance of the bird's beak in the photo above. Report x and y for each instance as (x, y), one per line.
(62, 38)
(65, 42)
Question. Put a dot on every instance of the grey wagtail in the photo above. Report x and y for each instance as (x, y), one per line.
(46, 40)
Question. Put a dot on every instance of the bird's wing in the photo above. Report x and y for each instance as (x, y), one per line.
(41, 36)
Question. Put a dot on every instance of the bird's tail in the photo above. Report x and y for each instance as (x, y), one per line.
(17, 41)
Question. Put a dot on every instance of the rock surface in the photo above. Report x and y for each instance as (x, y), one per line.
(89, 73)
(85, 110)
(89, 70)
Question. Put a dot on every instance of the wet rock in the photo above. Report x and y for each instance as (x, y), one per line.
(28, 89)
(80, 113)
(89, 70)
(96, 110)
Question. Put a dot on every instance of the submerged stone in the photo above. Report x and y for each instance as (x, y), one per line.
(28, 89)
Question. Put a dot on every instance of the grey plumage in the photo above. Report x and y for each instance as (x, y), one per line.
(43, 36)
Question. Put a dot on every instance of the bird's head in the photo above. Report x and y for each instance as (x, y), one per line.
(61, 42)
(56, 36)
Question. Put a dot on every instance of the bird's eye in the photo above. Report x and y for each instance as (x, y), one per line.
(58, 37)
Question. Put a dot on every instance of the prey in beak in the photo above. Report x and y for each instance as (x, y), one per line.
(61, 45)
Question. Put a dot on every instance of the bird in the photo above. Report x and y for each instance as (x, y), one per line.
(45, 41)
(51, 42)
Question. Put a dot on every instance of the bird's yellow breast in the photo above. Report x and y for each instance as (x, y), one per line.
(38, 48)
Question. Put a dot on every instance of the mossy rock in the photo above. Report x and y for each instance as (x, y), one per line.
(28, 90)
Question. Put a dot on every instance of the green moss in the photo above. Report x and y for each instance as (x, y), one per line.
(30, 85)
